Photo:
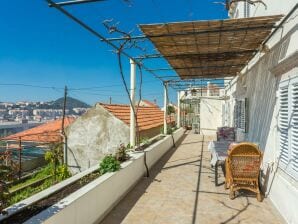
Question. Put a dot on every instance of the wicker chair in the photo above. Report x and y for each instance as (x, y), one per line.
(243, 168)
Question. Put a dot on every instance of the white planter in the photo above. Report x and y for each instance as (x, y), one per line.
(92, 202)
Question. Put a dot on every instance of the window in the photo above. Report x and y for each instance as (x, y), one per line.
(288, 127)
(241, 114)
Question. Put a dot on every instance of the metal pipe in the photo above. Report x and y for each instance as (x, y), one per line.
(227, 53)
(193, 33)
(280, 24)
(74, 2)
(169, 76)
(98, 35)
(127, 38)
(197, 67)
(65, 157)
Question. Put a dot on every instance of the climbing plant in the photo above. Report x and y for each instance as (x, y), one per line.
(54, 156)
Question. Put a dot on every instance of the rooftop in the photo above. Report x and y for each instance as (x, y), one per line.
(147, 117)
(48, 132)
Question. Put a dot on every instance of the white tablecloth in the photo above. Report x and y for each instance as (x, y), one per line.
(218, 151)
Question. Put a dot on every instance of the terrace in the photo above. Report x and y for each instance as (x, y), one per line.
(181, 189)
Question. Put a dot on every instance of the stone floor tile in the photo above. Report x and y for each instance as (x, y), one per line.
(181, 189)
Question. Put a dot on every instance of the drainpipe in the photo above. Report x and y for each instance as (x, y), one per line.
(178, 111)
(132, 97)
(280, 24)
(165, 128)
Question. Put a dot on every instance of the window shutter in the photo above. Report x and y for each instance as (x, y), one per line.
(241, 114)
(294, 139)
(283, 123)
(236, 114)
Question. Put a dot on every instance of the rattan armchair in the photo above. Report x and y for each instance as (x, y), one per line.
(243, 169)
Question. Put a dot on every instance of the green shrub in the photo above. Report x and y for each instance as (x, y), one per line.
(169, 131)
(5, 175)
(42, 173)
(109, 164)
(63, 172)
(122, 153)
(54, 157)
(171, 110)
(145, 140)
(29, 191)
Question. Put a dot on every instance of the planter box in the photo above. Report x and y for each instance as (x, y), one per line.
(92, 202)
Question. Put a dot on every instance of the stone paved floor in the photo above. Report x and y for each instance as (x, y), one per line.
(181, 190)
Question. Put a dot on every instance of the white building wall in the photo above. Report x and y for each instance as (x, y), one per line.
(259, 83)
(210, 115)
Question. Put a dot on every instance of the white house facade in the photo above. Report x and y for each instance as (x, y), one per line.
(263, 103)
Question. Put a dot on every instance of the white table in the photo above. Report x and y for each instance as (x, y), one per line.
(219, 153)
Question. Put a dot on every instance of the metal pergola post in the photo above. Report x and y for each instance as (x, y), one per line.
(165, 126)
(132, 106)
(178, 110)
(75, 2)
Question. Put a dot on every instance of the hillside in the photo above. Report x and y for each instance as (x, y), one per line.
(70, 103)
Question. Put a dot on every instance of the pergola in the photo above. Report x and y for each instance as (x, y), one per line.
(195, 50)
(210, 49)
(215, 49)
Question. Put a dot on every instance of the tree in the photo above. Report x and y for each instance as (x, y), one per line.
(171, 109)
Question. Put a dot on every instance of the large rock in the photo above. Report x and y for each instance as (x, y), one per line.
(91, 136)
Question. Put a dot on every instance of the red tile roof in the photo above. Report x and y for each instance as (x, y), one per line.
(147, 117)
(48, 132)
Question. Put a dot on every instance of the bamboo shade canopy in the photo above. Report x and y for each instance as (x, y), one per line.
(210, 49)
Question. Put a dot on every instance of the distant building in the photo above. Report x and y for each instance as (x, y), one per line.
(209, 90)
(103, 128)
(80, 111)
(49, 114)
(147, 103)
(18, 112)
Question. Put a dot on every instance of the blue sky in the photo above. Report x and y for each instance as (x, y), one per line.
(40, 46)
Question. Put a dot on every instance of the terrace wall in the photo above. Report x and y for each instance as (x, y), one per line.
(92, 202)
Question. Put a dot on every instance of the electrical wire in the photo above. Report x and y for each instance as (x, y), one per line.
(31, 86)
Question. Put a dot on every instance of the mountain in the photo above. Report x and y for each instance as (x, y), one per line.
(70, 103)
